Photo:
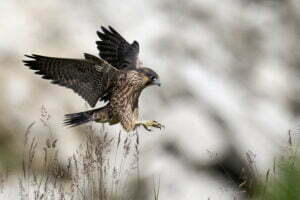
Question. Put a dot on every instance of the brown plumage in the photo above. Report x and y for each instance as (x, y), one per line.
(117, 77)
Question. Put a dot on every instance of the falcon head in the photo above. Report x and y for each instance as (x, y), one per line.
(150, 77)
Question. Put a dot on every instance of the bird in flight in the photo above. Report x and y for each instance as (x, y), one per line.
(117, 77)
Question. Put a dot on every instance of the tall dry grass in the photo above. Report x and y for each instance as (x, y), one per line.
(105, 166)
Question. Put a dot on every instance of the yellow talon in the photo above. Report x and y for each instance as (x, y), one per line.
(151, 123)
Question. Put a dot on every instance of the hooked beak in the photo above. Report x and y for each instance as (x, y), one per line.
(156, 82)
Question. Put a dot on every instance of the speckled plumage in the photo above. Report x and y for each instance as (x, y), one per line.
(117, 77)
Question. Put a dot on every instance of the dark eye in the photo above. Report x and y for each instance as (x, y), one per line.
(153, 78)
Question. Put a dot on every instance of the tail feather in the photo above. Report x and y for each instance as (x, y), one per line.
(76, 119)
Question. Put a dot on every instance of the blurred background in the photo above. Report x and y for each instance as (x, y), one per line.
(230, 87)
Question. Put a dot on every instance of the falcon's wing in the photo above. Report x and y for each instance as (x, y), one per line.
(88, 77)
(116, 50)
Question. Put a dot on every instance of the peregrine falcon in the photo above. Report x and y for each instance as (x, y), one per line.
(117, 77)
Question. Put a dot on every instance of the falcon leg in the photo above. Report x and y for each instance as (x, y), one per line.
(148, 124)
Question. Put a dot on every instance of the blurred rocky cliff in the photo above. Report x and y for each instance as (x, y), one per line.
(230, 82)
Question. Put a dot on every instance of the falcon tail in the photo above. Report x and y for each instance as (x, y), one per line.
(76, 119)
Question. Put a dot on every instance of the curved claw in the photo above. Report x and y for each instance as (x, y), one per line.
(155, 124)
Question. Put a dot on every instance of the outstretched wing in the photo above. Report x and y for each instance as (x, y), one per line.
(116, 50)
(87, 77)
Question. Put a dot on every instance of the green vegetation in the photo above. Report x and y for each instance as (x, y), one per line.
(282, 182)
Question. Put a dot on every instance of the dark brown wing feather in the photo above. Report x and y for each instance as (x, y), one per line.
(87, 77)
(116, 50)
